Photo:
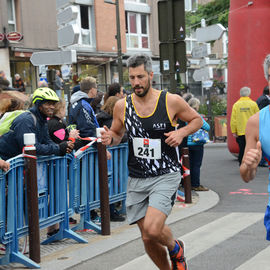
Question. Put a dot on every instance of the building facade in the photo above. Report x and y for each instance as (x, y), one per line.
(97, 50)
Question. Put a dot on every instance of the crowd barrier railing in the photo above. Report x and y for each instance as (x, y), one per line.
(86, 190)
(65, 185)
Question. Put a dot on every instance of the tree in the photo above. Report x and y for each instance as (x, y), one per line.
(213, 12)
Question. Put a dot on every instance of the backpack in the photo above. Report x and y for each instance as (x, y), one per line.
(8, 118)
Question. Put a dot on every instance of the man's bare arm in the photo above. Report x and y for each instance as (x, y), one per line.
(113, 136)
(179, 109)
(253, 152)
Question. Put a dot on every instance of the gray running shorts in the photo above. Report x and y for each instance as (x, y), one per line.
(158, 192)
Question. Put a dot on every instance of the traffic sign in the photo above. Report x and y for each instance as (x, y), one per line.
(14, 36)
(201, 50)
(65, 70)
(207, 84)
(178, 20)
(203, 74)
(68, 35)
(54, 58)
(204, 62)
(67, 15)
(2, 37)
(209, 33)
(63, 3)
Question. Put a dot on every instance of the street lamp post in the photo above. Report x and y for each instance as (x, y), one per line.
(118, 37)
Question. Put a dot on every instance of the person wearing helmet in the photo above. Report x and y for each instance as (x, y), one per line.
(34, 121)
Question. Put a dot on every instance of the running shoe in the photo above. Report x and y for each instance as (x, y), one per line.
(178, 260)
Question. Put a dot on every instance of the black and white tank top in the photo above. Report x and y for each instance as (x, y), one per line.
(149, 155)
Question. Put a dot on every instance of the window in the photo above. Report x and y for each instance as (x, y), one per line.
(137, 31)
(85, 19)
(191, 5)
(11, 16)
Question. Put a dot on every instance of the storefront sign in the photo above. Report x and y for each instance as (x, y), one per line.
(14, 36)
(2, 37)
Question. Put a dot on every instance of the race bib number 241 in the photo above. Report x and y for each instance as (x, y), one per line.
(147, 148)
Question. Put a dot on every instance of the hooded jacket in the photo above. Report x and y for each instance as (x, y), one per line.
(82, 114)
(11, 143)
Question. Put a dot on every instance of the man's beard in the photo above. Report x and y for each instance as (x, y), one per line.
(145, 90)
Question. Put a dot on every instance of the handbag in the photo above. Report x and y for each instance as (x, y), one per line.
(200, 136)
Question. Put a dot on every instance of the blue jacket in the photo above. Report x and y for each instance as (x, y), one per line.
(82, 115)
(11, 143)
(205, 126)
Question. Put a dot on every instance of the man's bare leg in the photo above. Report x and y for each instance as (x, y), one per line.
(156, 237)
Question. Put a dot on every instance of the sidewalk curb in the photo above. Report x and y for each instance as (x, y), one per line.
(77, 253)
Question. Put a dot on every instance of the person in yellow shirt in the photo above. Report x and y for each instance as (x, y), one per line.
(242, 109)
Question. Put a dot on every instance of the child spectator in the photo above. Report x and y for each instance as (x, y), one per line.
(58, 130)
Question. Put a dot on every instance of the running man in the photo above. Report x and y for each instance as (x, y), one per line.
(150, 118)
(258, 144)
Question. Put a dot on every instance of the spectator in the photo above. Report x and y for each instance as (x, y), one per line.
(4, 82)
(9, 105)
(59, 133)
(81, 113)
(187, 96)
(96, 102)
(241, 112)
(75, 89)
(58, 83)
(34, 121)
(264, 99)
(105, 116)
(115, 89)
(83, 116)
(196, 150)
(18, 83)
(58, 130)
(43, 82)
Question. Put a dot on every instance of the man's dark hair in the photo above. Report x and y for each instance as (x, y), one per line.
(139, 59)
(114, 89)
(266, 90)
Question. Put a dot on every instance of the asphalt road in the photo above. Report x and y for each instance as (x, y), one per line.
(222, 238)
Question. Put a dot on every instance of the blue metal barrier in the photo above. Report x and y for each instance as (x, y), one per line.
(86, 192)
(13, 212)
(53, 205)
(53, 197)
(54, 173)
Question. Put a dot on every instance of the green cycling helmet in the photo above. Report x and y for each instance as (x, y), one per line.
(44, 93)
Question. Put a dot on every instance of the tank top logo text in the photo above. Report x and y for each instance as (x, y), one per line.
(159, 126)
